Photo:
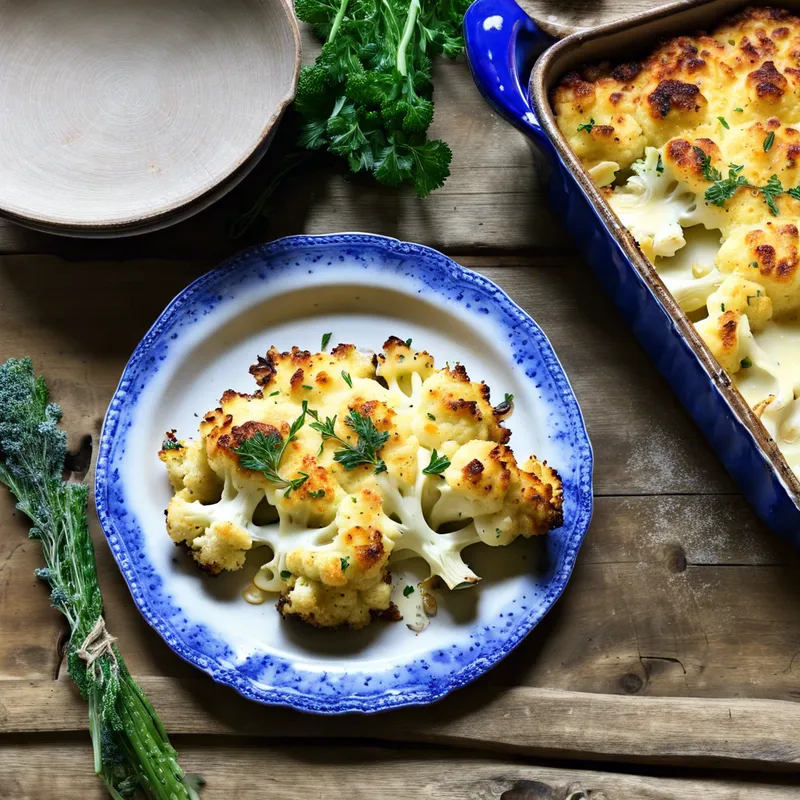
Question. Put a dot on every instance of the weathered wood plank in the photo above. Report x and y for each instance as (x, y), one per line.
(734, 733)
(61, 768)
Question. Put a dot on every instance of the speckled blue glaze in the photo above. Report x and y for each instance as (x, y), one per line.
(281, 681)
(502, 46)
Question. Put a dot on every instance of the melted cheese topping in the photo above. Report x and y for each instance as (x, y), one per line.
(440, 478)
(704, 135)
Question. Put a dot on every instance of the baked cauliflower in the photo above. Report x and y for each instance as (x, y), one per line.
(716, 146)
(340, 461)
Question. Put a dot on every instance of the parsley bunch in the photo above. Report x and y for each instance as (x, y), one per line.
(368, 96)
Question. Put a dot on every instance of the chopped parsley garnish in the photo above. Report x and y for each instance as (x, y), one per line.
(746, 363)
(722, 306)
(754, 263)
(659, 165)
(345, 562)
(795, 192)
(724, 123)
(408, 591)
(724, 188)
(306, 386)
(347, 379)
(326, 338)
(263, 453)
(438, 464)
(408, 342)
(509, 398)
(769, 139)
(740, 110)
(586, 126)
(277, 391)
(365, 451)
(431, 416)
(317, 494)
(171, 444)
(285, 574)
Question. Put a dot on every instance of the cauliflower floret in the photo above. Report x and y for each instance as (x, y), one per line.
(398, 363)
(504, 501)
(727, 335)
(358, 556)
(768, 255)
(476, 482)
(216, 544)
(189, 471)
(451, 409)
(333, 607)
(651, 205)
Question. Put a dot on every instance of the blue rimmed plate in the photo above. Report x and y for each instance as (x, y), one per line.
(361, 288)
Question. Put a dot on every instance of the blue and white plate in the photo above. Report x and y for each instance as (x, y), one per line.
(362, 289)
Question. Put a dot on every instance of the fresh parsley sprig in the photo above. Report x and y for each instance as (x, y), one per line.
(364, 451)
(264, 452)
(438, 464)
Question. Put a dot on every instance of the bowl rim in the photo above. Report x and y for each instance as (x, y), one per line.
(545, 71)
(120, 530)
(186, 206)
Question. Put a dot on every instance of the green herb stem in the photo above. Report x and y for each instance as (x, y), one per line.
(408, 30)
(337, 20)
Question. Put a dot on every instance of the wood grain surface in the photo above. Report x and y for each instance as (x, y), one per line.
(674, 651)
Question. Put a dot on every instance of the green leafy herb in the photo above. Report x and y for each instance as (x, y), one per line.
(408, 342)
(345, 562)
(587, 126)
(438, 464)
(722, 306)
(770, 191)
(724, 123)
(264, 452)
(347, 379)
(794, 192)
(722, 189)
(272, 394)
(409, 590)
(365, 451)
(306, 386)
(131, 748)
(317, 494)
(368, 96)
(431, 416)
(740, 110)
(746, 363)
(285, 574)
(754, 263)
(659, 165)
(509, 398)
(769, 139)
(326, 337)
(171, 444)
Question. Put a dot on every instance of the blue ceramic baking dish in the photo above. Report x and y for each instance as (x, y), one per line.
(515, 62)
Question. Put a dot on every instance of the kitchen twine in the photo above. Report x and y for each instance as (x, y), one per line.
(98, 642)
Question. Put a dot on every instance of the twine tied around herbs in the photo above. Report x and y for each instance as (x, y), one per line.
(98, 643)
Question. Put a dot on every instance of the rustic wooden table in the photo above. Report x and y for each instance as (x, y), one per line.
(669, 669)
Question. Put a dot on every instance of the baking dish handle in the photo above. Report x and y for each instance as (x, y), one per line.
(502, 45)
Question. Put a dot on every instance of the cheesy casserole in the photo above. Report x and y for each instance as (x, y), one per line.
(704, 134)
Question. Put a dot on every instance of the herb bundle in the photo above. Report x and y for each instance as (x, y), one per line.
(368, 97)
(131, 748)
(364, 451)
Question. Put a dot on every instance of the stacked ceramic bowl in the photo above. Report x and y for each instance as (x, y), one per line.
(124, 117)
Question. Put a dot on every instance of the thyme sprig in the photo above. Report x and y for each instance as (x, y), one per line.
(131, 748)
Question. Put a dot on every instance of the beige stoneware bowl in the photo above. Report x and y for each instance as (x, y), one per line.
(122, 116)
